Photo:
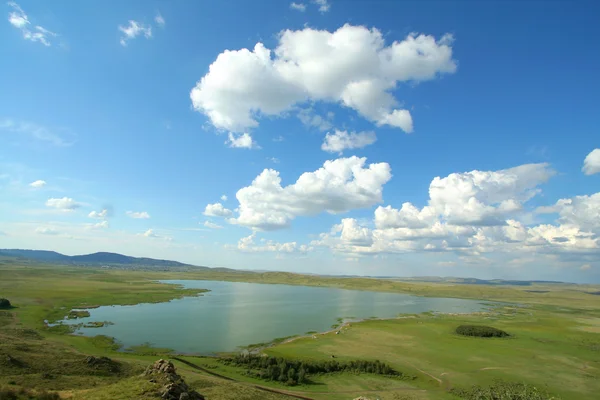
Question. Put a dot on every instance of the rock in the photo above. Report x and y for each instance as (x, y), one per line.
(174, 387)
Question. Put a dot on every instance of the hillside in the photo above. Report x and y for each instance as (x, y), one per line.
(95, 258)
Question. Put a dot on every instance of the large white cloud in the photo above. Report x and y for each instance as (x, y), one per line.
(591, 164)
(441, 227)
(351, 66)
(339, 186)
(65, 203)
(338, 141)
(582, 211)
(486, 197)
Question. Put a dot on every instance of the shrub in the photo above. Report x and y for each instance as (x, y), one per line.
(504, 391)
(480, 331)
(4, 303)
(292, 372)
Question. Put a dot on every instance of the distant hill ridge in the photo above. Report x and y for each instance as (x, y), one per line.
(94, 258)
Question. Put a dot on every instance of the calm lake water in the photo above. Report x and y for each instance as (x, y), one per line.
(235, 314)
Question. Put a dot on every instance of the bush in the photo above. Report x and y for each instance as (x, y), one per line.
(22, 393)
(293, 372)
(504, 391)
(4, 303)
(480, 331)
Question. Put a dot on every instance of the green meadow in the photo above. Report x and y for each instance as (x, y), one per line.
(554, 342)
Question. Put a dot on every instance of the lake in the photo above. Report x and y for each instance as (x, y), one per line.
(235, 314)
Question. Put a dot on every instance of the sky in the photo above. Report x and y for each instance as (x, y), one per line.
(380, 138)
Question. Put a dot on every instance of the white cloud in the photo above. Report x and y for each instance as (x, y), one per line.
(486, 197)
(247, 244)
(212, 225)
(46, 231)
(150, 233)
(224, 198)
(298, 6)
(20, 20)
(35, 131)
(324, 5)
(241, 141)
(98, 215)
(493, 199)
(37, 184)
(98, 225)
(585, 267)
(591, 164)
(274, 160)
(278, 138)
(217, 210)
(338, 141)
(133, 30)
(351, 66)
(312, 120)
(582, 211)
(65, 204)
(339, 186)
(159, 20)
(138, 214)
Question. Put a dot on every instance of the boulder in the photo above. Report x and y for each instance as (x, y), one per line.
(173, 385)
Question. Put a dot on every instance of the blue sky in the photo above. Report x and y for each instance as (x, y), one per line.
(154, 111)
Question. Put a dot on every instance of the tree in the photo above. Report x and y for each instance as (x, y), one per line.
(301, 375)
(4, 303)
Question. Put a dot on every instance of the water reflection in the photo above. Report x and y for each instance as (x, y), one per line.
(237, 314)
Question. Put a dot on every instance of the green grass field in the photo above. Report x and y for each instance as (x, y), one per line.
(554, 342)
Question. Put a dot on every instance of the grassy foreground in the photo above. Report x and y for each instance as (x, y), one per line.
(554, 342)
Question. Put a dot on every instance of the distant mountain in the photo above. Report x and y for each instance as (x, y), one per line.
(95, 258)
(472, 281)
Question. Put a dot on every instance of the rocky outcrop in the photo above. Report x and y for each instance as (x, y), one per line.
(173, 386)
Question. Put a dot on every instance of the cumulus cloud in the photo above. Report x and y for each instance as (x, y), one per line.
(591, 164)
(351, 66)
(582, 211)
(138, 214)
(37, 184)
(99, 215)
(298, 6)
(65, 204)
(150, 233)
(224, 198)
(241, 141)
(46, 231)
(494, 199)
(247, 244)
(338, 141)
(337, 187)
(212, 225)
(134, 29)
(217, 210)
(20, 20)
(486, 197)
